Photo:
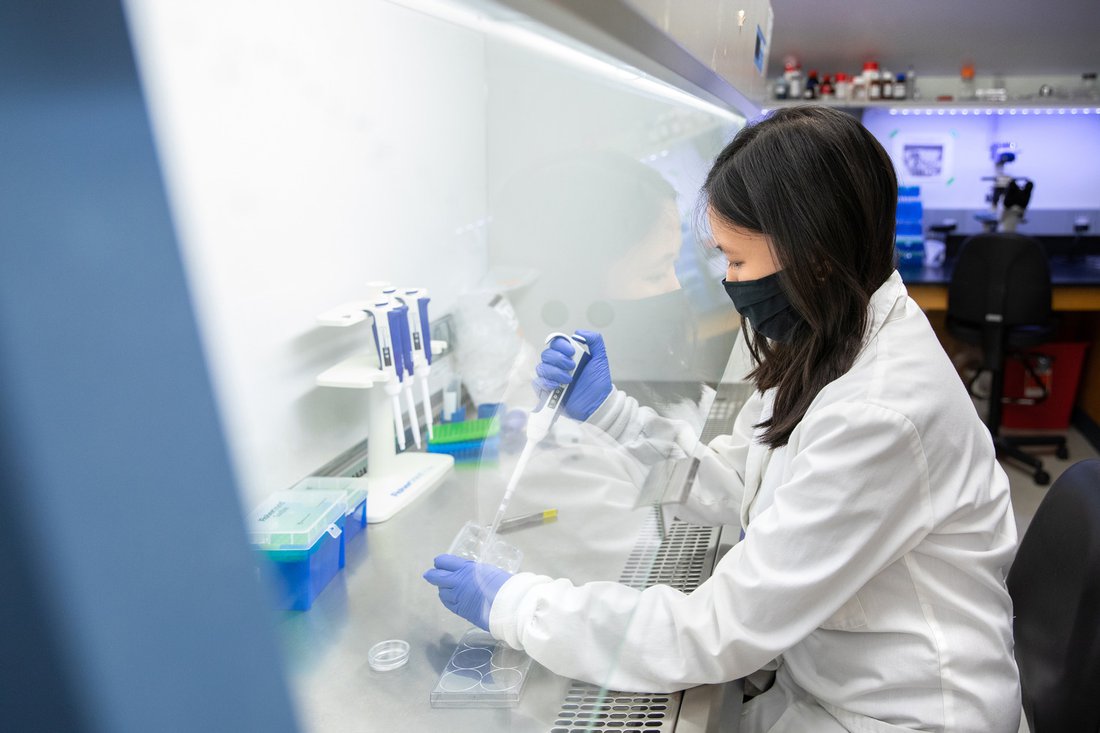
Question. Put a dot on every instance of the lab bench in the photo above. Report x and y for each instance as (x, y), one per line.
(1075, 281)
(381, 595)
(1075, 298)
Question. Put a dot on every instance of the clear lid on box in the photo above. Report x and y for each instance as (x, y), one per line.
(294, 520)
(354, 491)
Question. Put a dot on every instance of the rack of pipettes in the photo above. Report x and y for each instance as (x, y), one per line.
(401, 354)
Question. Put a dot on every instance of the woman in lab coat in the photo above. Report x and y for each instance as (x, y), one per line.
(878, 526)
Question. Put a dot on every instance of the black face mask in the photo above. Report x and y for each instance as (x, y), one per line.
(764, 303)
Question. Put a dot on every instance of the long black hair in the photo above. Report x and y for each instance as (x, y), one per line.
(823, 191)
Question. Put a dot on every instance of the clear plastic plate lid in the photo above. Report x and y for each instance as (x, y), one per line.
(470, 544)
(355, 494)
(294, 520)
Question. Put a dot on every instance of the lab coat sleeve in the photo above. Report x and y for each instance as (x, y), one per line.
(853, 500)
(649, 438)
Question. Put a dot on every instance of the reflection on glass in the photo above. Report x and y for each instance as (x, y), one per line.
(593, 189)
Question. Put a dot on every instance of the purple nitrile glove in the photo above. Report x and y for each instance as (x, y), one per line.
(467, 588)
(594, 383)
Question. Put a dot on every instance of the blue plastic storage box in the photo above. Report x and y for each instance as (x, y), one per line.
(297, 538)
(355, 499)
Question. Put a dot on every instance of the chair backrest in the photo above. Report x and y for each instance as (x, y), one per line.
(1055, 588)
(1002, 278)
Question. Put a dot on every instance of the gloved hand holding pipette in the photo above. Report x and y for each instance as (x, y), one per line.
(593, 384)
(560, 384)
(467, 588)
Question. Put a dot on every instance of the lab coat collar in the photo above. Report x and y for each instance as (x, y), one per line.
(883, 302)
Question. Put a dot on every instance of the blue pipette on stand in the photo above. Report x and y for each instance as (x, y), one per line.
(404, 361)
(385, 319)
(417, 301)
(407, 359)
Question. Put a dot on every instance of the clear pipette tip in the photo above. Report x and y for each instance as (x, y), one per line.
(412, 414)
(398, 424)
(427, 406)
(494, 528)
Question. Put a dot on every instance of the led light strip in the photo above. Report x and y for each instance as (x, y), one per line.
(522, 33)
(952, 111)
(976, 111)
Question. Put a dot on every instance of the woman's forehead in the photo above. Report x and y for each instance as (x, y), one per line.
(727, 233)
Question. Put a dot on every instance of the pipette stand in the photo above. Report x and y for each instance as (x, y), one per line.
(393, 479)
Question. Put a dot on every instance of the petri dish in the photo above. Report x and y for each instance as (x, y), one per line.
(460, 680)
(388, 655)
(478, 639)
(482, 673)
(502, 680)
(471, 658)
(506, 657)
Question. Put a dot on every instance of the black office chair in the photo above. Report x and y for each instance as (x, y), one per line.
(1055, 587)
(999, 299)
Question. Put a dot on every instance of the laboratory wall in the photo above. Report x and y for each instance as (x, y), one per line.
(1059, 151)
(309, 150)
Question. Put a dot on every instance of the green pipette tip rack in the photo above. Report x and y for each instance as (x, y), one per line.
(465, 431)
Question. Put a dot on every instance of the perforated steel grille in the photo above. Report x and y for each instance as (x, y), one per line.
(588, 708)
(728, 401)
(682, 561)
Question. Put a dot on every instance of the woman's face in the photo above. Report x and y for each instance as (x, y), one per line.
(748, 254)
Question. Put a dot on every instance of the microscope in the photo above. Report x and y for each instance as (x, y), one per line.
(1009, 195)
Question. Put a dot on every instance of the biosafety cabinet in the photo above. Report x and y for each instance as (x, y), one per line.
(731, 38)
(536, 167)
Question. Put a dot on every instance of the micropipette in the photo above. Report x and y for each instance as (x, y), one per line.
(417, 301)
(407, 358)
(402, 345)
(538, 427)
(384, 320)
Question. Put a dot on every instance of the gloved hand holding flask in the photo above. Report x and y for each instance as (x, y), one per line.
(594, 383)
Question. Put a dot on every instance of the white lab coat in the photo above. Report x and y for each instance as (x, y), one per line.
(877, 541)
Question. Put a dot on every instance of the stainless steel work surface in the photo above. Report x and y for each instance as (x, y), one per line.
(380, 595)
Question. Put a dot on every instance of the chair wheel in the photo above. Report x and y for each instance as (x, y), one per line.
(1042, 477)
(1062, 452)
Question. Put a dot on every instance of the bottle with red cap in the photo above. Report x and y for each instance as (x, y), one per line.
(967, 74)
(843, 86)
(792, 72)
